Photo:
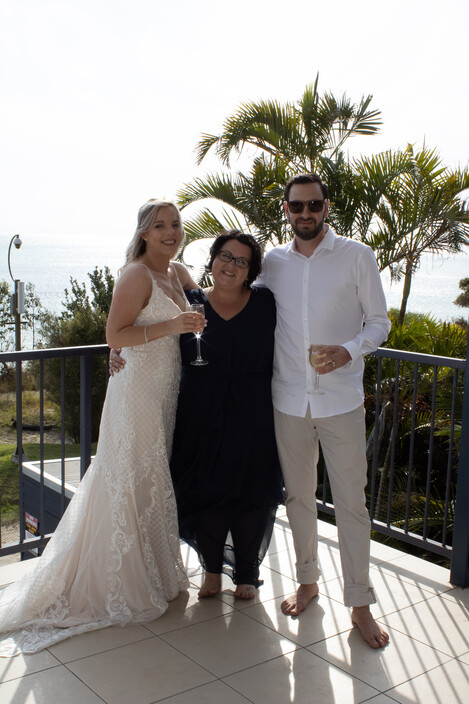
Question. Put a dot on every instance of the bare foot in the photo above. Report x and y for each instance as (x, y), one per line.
(371, 631)
(296, 603)
(245, 591)
(211, 585)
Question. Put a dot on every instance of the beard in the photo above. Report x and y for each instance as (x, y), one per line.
(308, 233)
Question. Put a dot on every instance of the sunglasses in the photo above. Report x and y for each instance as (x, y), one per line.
(240, 262)
(297, 206)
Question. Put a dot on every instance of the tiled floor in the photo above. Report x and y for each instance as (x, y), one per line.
(222, 651)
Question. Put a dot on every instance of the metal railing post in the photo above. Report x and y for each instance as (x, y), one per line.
(19, 442)
(460, 553)
(85, 412)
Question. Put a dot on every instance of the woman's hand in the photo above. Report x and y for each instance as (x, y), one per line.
(188, 322)
(185, 322)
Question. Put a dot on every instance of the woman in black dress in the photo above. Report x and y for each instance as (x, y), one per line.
(224, 464)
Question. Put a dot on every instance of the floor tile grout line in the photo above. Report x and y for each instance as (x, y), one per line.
(274, 630)
(418, 585)
(26, 675)
(177, 629)
(199, 686)
(107, 649)
(320, 581)
(243, 603)
(410, 605)
(29, 674)
(212, 674)
(87, 686)
(418, 640)
(165, 643)
(450, 659)
(360, 679)
(422, 674)
(402, 608)
(276, 657)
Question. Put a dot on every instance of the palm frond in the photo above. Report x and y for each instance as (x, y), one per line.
(347, 120)
(222, 187)
(204, 224)
(206, 142)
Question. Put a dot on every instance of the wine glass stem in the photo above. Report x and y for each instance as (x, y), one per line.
(199, 356)
(316, 383)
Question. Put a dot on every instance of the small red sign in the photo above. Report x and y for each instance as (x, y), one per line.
(31, 523)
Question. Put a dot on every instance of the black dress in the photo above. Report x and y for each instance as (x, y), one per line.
(224, 464)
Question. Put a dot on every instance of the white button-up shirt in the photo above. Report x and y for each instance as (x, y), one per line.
(333, 297)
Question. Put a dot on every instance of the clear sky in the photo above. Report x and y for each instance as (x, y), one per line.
(103, 101)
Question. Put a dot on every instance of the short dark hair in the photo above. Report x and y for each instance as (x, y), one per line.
(255, 264)
(306, 178)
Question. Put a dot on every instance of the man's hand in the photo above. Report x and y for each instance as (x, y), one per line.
(116, 362)
(331, 357)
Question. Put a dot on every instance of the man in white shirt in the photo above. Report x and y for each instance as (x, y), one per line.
(328, 292)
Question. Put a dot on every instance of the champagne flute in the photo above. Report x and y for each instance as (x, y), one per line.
(313, 355)
(198, 361)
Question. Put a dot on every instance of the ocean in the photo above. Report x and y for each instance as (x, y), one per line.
(49, 262)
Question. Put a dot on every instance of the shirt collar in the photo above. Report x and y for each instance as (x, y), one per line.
(327, 242)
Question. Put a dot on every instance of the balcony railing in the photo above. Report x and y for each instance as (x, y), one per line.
(418, 449)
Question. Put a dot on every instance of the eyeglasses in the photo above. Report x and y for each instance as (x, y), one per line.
(226, 256)
(297, 206)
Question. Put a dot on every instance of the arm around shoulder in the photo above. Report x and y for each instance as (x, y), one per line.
(186, 280)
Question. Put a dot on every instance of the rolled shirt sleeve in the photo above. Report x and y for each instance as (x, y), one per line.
(376, 323)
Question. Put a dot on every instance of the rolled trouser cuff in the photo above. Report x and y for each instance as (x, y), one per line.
(359, 595)
(308, 573)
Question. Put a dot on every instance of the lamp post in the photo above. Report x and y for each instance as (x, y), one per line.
(17, 299)
(17, 309)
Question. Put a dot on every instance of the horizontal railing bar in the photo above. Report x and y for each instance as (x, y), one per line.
(397, 533)
(385, 352)
(26, 355)
(431, 359)
(14, 548)
(411, 538)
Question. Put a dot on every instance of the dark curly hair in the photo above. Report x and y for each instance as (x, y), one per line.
(255, 265)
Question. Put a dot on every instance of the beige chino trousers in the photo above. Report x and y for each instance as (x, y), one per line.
(343, 443)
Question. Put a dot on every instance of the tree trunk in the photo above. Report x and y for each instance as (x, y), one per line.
(405, 291)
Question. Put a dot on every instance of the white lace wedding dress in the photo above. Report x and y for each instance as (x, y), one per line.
(115, 556)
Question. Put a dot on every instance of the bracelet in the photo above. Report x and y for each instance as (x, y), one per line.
(145, 334)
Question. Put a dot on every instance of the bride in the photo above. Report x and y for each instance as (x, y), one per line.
(115, 556)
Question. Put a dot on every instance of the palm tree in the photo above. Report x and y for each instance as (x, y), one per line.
(420, 210)
(303, 135)
(287, 138)
(401, 203)
(359, 188)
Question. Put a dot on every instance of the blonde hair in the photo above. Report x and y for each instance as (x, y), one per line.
(146, 217)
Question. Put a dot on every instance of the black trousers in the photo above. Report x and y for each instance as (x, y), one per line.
(250, 535)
